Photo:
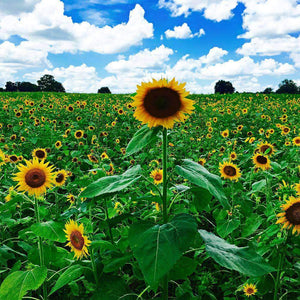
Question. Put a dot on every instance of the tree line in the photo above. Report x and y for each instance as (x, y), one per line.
(286, 86)
(47, 83)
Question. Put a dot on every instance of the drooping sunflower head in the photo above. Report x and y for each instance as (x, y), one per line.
(39, 153)
(261, 161)
(60, 178)
(230, 171)
(157, 175)
(162, 103)
(249, 289)
(93, 158)
(35, 177)
(266, 148)
(77, 240)
(291, 214)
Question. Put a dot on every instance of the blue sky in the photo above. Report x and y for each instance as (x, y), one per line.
(119, 43)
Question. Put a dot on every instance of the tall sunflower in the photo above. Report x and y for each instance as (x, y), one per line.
(77, 241)
(35, 177)
(162, 103)
(261, 161)
(230, 171)
(291, 214)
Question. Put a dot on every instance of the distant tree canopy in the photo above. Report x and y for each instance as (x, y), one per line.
(288, 87)
(224, 87)
(10, 87)
(104, 90)
(47, 83)
(268, 90)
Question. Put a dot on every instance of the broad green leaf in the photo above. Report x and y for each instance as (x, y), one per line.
(225, 227)
(116, 263)
(112, 184)
(50, 230)
(258, 186)
(184, 267)
(16, 285)
(202, 197)
(251, 224)
(142, 138)
(243, 260)
(201, 177)
(71, 274)
(157, 248)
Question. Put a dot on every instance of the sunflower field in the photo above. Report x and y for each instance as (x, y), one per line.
(155, 195)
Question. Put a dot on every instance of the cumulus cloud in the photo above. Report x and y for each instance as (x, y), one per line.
(143, 60)
(183, 32)
(216, 10)
(77, 79)
(57, 32)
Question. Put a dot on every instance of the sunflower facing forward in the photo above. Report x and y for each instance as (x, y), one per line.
(249, 289)
(261, 161)
(291, 214)
(35, 177)
(157, 175)
(77, 241)
(162, 103)
(230, 171)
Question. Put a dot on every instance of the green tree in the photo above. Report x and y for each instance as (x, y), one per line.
(104, 90)
(224, 87)
(268, 90)
(287, 87)
(47, 83)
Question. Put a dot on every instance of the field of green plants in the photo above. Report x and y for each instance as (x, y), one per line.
(96, 205)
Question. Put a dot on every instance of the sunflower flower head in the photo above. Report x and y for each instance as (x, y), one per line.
(290, 215)
(230, 171)
(249, 289)
(162, 103)
(77, 241)
(35, 177)
(157, 175)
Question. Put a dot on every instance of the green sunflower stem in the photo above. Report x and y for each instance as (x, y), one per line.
(40, 244)
(92, 250)
(164, 195)
(108, 221)
(277, 282)
(164, 200)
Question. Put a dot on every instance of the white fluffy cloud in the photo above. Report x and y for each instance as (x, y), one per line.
(57, 33)
(273, 28)
(143, 60)
(211, 67)
(183, 32)
(77, 79)
(216, 10)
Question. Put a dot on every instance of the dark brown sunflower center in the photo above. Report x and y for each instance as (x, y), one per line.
(286, 130)
(230, 171)
(157, 177)
(264, 148)
(35, 178)
(40, 154)
(297, 141)
(78, 133)
(162, 102)
(77, 240)
(262, 160)
(293, 214)
(13, 158)
(250, 291)
(59, 178)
